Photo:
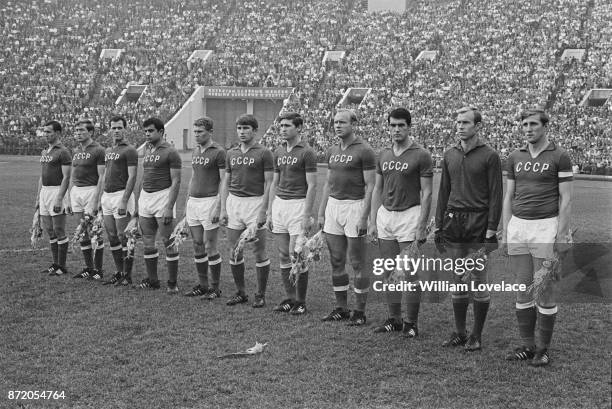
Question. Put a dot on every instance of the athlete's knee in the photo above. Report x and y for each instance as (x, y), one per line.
(260, 254)
(210, 246)
(149, 241)
(59, 231)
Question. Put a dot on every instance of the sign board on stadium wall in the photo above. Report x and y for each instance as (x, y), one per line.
(111, 53)
(388, 5)
(246, 93)
(335, 56)
(596, 97)
(428, 55)
(570, 53)
(202, 55)
(131, 92)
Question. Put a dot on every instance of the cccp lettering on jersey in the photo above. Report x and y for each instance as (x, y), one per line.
(532, 167)
(394, 165)
(46, 158)
(243, 160)
(200, 161)
(287, 160)
(111, 156)
(151, 158)
(340, 158)
(81, 156)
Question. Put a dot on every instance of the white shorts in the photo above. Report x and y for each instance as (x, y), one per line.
(110, 204)
(153, 204)
(242, 211)
(47, 197)
(287, 215)
(342, 216)
(82, 199)
(199, 210)
(398, 225)
(535, 237)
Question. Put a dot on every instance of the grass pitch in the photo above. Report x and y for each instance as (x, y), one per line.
(123, 348)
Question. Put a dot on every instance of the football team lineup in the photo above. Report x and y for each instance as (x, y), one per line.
(250, 190)
(375, 257)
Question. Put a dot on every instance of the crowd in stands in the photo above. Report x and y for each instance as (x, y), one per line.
(489, 55)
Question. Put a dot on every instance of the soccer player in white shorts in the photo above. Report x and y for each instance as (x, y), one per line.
(244, 199)
(118, 204)
(86, 182)
(343, 215)
(161, 180)
(536, 216)
(401, 203)
(56, 162)
(203, 208)
(291, 202)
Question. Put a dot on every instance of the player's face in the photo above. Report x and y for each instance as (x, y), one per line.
(288, 130)
(152, 135)
(50, 135)
(533, 129)
(246, 133)
(465, 125)
(343, 127)
(81, 133)
(117, 131)
(400, 131)
(202, 136)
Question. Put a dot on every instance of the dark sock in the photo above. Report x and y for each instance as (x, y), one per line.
(480, 315)
(54, 249)
(172, 262)
(214, 264)
(99, 256)
(546, 325)
(151, 257)
(238, 274)
(201, 264)
(263, 271)
(413, 305)
(289, 288)
(128, 262)
(302, 287)
(87, 253)
(62, 251)
(460, 307)
(117, 252)
(340, 283)
(526, 318)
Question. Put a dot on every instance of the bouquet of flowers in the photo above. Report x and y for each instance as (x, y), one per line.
(131, 234)
(179, 234)
(96, 230)
(36, 230)
(480, 254)
(82, 230)
(247, 236)
(544, 276)
(306, 251)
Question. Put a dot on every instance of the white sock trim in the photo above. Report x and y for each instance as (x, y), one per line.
(263, 263)
(547, 310)
(525, 305)
(341, 288)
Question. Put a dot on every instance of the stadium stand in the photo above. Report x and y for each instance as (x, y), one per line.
(489, 55)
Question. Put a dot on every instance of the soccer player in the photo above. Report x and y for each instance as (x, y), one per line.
(400, 210)
(536, 217)
(250, 168)
(86, 183)
(290, 211)
(343, 214)
(204, 207)
(161, 180)
(118, 199)
(467, 215)
(52, 187)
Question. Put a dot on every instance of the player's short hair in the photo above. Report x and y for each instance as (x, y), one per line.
(117, 118)
(351, 113)
(204, 122)
(247, 119)
(400, 113)
(57, 127)
(88, 124)
(294, 117)
(544, 119)
(156, 122)
(474, 111)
